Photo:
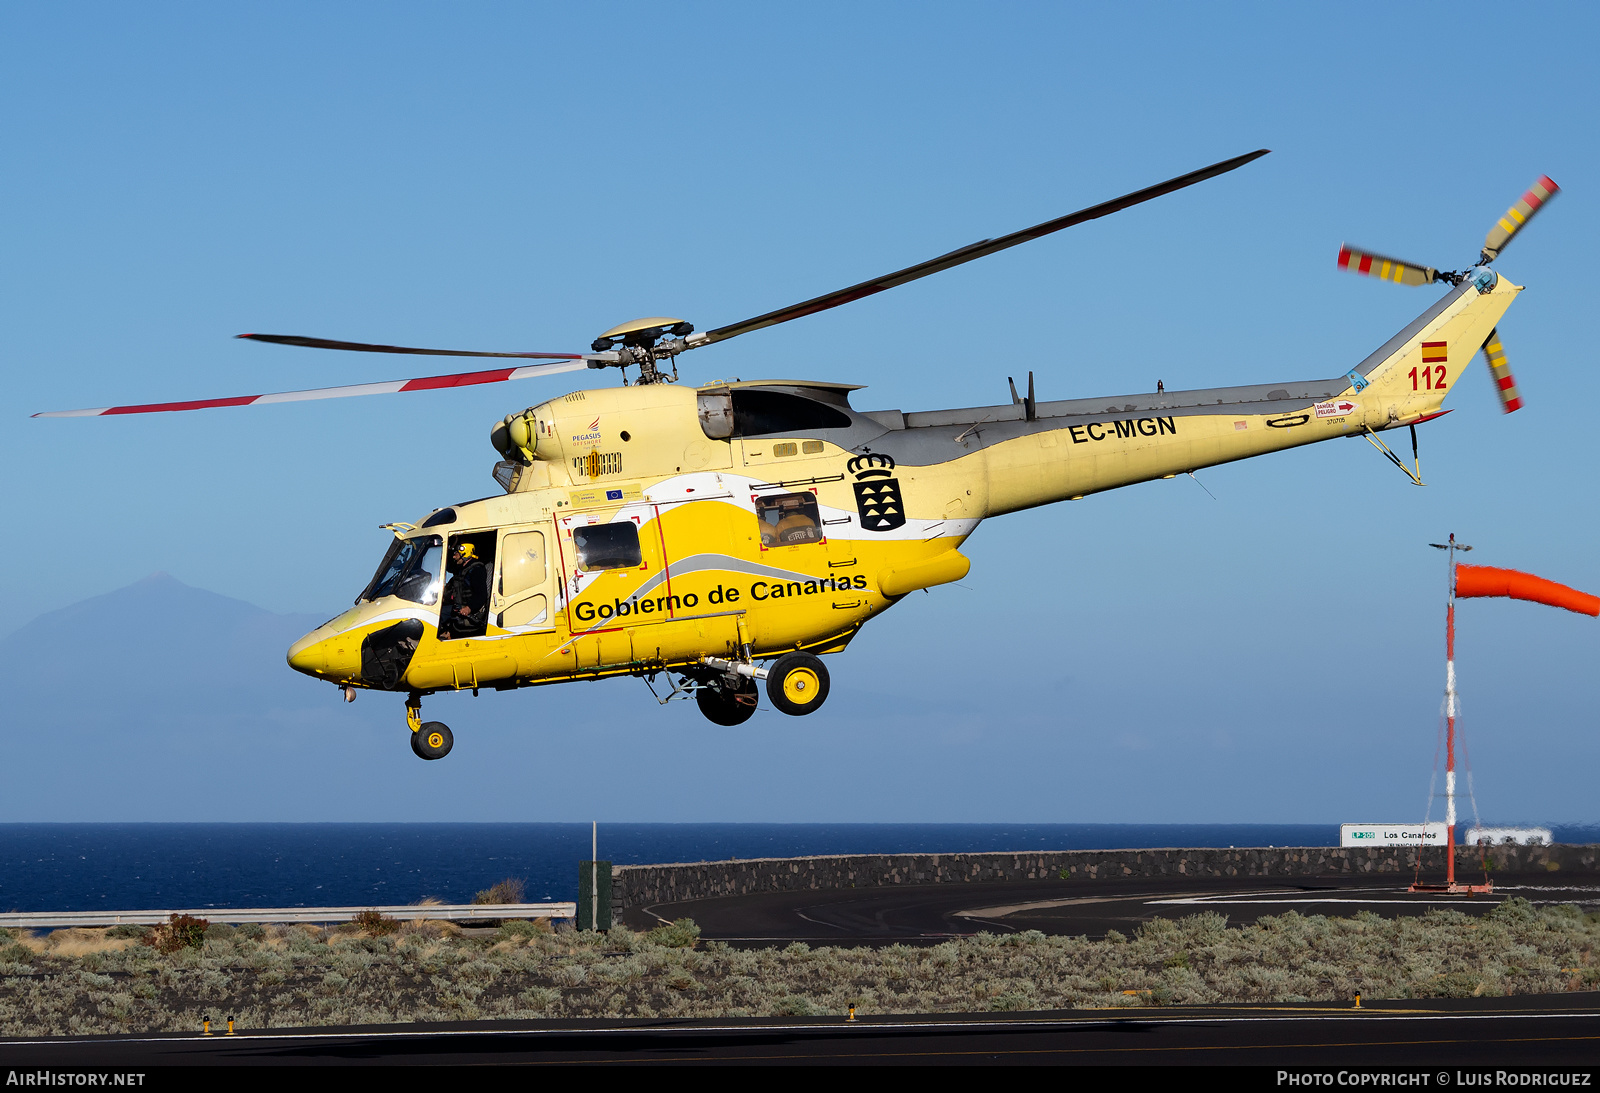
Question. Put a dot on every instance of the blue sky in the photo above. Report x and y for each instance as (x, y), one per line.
(516, 176)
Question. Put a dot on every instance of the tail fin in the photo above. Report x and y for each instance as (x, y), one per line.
(1414, 371)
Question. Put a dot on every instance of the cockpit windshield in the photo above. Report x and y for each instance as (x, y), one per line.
(412, 569)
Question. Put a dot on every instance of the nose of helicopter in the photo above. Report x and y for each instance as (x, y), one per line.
(325, 654)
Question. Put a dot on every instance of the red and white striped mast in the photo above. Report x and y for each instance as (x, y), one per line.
(1450, 715)
(1450, 707)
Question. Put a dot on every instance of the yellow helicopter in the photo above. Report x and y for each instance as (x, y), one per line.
(734, 533)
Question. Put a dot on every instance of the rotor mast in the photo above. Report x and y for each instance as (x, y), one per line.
(648, 343)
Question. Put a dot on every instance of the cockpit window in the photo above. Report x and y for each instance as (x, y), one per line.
(411, 570)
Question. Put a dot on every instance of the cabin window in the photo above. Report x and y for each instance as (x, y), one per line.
(785, 449)
(608, 546)
(522, 563)
(756, 412)
(812, 447)
(411, 570)
(789, 519)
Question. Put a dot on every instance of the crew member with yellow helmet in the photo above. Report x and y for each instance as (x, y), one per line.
(464, 613)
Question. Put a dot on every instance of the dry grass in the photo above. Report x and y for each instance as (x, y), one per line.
(70, 943)
(301, 976)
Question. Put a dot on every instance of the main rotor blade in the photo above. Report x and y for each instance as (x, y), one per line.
(1517, 217)
(425, 383)
(1385, 269)
(980, 249)
(364, 347)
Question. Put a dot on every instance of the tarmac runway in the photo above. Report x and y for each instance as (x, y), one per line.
(933, 912)
(1423, 1038)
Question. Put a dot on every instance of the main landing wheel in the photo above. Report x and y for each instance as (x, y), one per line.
(797, 683)
(724, 705)
(432, 741)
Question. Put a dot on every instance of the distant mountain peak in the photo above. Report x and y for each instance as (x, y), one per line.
(157, 604)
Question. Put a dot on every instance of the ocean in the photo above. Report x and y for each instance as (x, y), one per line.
(85, 867)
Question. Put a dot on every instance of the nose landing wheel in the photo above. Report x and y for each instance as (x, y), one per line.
(431, 739)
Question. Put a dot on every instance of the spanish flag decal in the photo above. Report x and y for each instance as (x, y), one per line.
(1435, 352)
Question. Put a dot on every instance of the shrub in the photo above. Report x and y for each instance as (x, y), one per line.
(521, 928)
(510, 890)
(1515, 909)
(178, 932)
(1026, 937)
(539, 998)
(1206, 926)
(127, 929)
(375, 923)
(682, 934)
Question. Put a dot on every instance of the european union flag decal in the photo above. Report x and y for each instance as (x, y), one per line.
(613, 495)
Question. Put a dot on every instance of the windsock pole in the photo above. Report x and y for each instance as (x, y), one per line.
(1451, 707)
(1450, 719)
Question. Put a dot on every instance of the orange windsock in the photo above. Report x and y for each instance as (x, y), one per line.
(1483, 580)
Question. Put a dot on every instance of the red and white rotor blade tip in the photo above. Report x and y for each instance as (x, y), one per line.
(1385, 269)
(1505, 385)
(1517, 217)
(390, 387)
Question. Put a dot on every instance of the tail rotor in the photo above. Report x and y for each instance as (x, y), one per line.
(1368, 264)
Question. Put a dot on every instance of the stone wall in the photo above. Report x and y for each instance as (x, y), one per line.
(645, 885)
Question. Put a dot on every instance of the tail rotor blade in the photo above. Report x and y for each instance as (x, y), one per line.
(1517, 217)
(1505, 384)
(1386, 269)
